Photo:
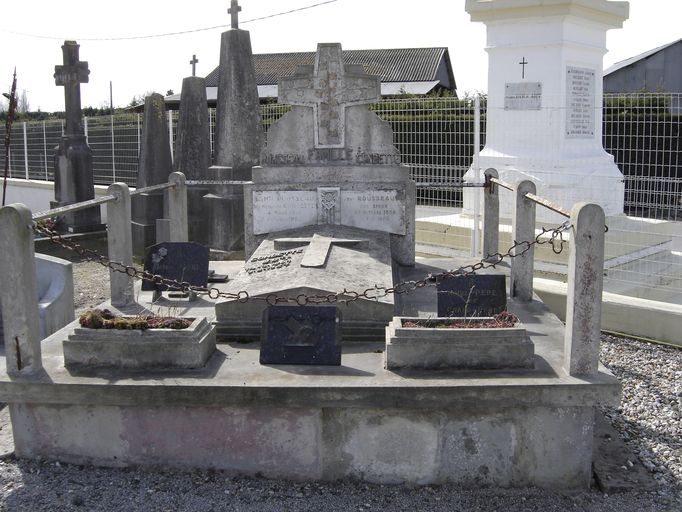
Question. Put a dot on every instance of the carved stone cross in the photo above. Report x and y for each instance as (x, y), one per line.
(193, 62)
(234, 12)
(329, 89)
(70, 75)
(318, 248)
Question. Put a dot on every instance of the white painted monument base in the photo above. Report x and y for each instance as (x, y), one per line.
(593, 180)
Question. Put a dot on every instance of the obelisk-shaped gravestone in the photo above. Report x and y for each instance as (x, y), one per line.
(193, 151)
(238, 139)
(155, 166)
(73, 181)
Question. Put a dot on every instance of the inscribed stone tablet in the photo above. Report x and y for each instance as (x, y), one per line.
(280, 210)
(379, 210)
(580, 91)
(182, 261)
(472, 295)
(523, 96)
(308, 335)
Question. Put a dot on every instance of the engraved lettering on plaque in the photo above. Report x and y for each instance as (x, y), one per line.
(380, 210)
(523, 96)
(275, 210)
(580, 103)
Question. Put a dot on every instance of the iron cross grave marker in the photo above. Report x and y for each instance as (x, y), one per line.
(308, 335)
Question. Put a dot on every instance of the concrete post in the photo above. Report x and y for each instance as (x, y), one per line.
(19, 292)
(120, 240)
(491, 218)
(163, 231)
(523, 230)
(177, 207)
(585, 284)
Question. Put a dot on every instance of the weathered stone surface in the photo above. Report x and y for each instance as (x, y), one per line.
(193, 152)
(435, 348)
(136, 349)
(155, 166)
(354, 259)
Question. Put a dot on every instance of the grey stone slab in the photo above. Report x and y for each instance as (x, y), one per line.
(277, 267)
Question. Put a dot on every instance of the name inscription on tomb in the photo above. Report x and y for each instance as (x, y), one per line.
(273, 261)
(380, 210)
(580, 92)
(523, 96)
(332, 155)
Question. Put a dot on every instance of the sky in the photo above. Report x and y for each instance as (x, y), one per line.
(32, 41)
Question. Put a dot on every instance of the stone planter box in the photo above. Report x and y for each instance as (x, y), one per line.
(433, 348)
(153, 348)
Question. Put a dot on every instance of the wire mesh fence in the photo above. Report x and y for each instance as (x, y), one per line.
(435, 137)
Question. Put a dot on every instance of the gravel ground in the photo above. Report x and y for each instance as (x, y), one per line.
(649, 419)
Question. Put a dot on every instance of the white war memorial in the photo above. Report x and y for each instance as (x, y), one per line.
(328, 352)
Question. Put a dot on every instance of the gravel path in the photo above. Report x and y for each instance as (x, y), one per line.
(649, 419)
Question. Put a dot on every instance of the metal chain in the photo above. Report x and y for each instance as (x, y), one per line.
(552, 236)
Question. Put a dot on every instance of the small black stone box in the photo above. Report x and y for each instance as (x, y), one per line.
(308, 335)
(472, 295)
(181, 261)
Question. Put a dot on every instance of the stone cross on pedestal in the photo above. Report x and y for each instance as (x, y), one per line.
(233, 11)
(70, 75)
(318, 248)
(193, 62)
(329, 90)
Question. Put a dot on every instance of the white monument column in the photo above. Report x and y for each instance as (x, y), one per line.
(544, 113)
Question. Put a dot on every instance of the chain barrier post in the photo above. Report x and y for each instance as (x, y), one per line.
(491, 217)
(523, 231)
(177, 207)
(585, 285)
(120, 240)
(19, 292)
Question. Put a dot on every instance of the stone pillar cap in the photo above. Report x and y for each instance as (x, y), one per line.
(605, 12)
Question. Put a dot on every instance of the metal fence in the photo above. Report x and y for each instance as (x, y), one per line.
(435, 137)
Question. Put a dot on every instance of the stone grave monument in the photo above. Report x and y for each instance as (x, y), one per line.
(238, 139)
(544, 113)
(331, 208)
(74, 181)
(193, 151)
(155, 166)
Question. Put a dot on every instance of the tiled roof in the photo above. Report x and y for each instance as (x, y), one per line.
(393, 65)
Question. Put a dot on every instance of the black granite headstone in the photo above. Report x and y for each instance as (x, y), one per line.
(307, 335)
(182, 261)
(472, 295)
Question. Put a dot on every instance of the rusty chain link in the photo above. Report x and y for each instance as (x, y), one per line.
(552, 236)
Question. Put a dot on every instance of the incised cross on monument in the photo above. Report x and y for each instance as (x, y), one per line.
(329, 90)
(234, 12)
(70, 75)
(193, 62)
(318, 248)
(523, 67)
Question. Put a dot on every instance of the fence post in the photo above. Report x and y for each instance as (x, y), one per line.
(585, 284)
(491, 217)
(120, 242)
(85, 129)
(19, 292)
(523, 230)
(113, 151)
(25, 151)
(177, 207)
(45, 151)
(170, 135)
(475, 233)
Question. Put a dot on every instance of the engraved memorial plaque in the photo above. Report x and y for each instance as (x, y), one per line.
(472, 296)
(523, 96)
(182, 261)
(328, 205)
(280, 210)
(580, 92)
(308, 335)
(379, 210)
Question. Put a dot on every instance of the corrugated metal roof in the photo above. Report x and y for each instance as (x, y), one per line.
(624, 63)
(393, 65)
